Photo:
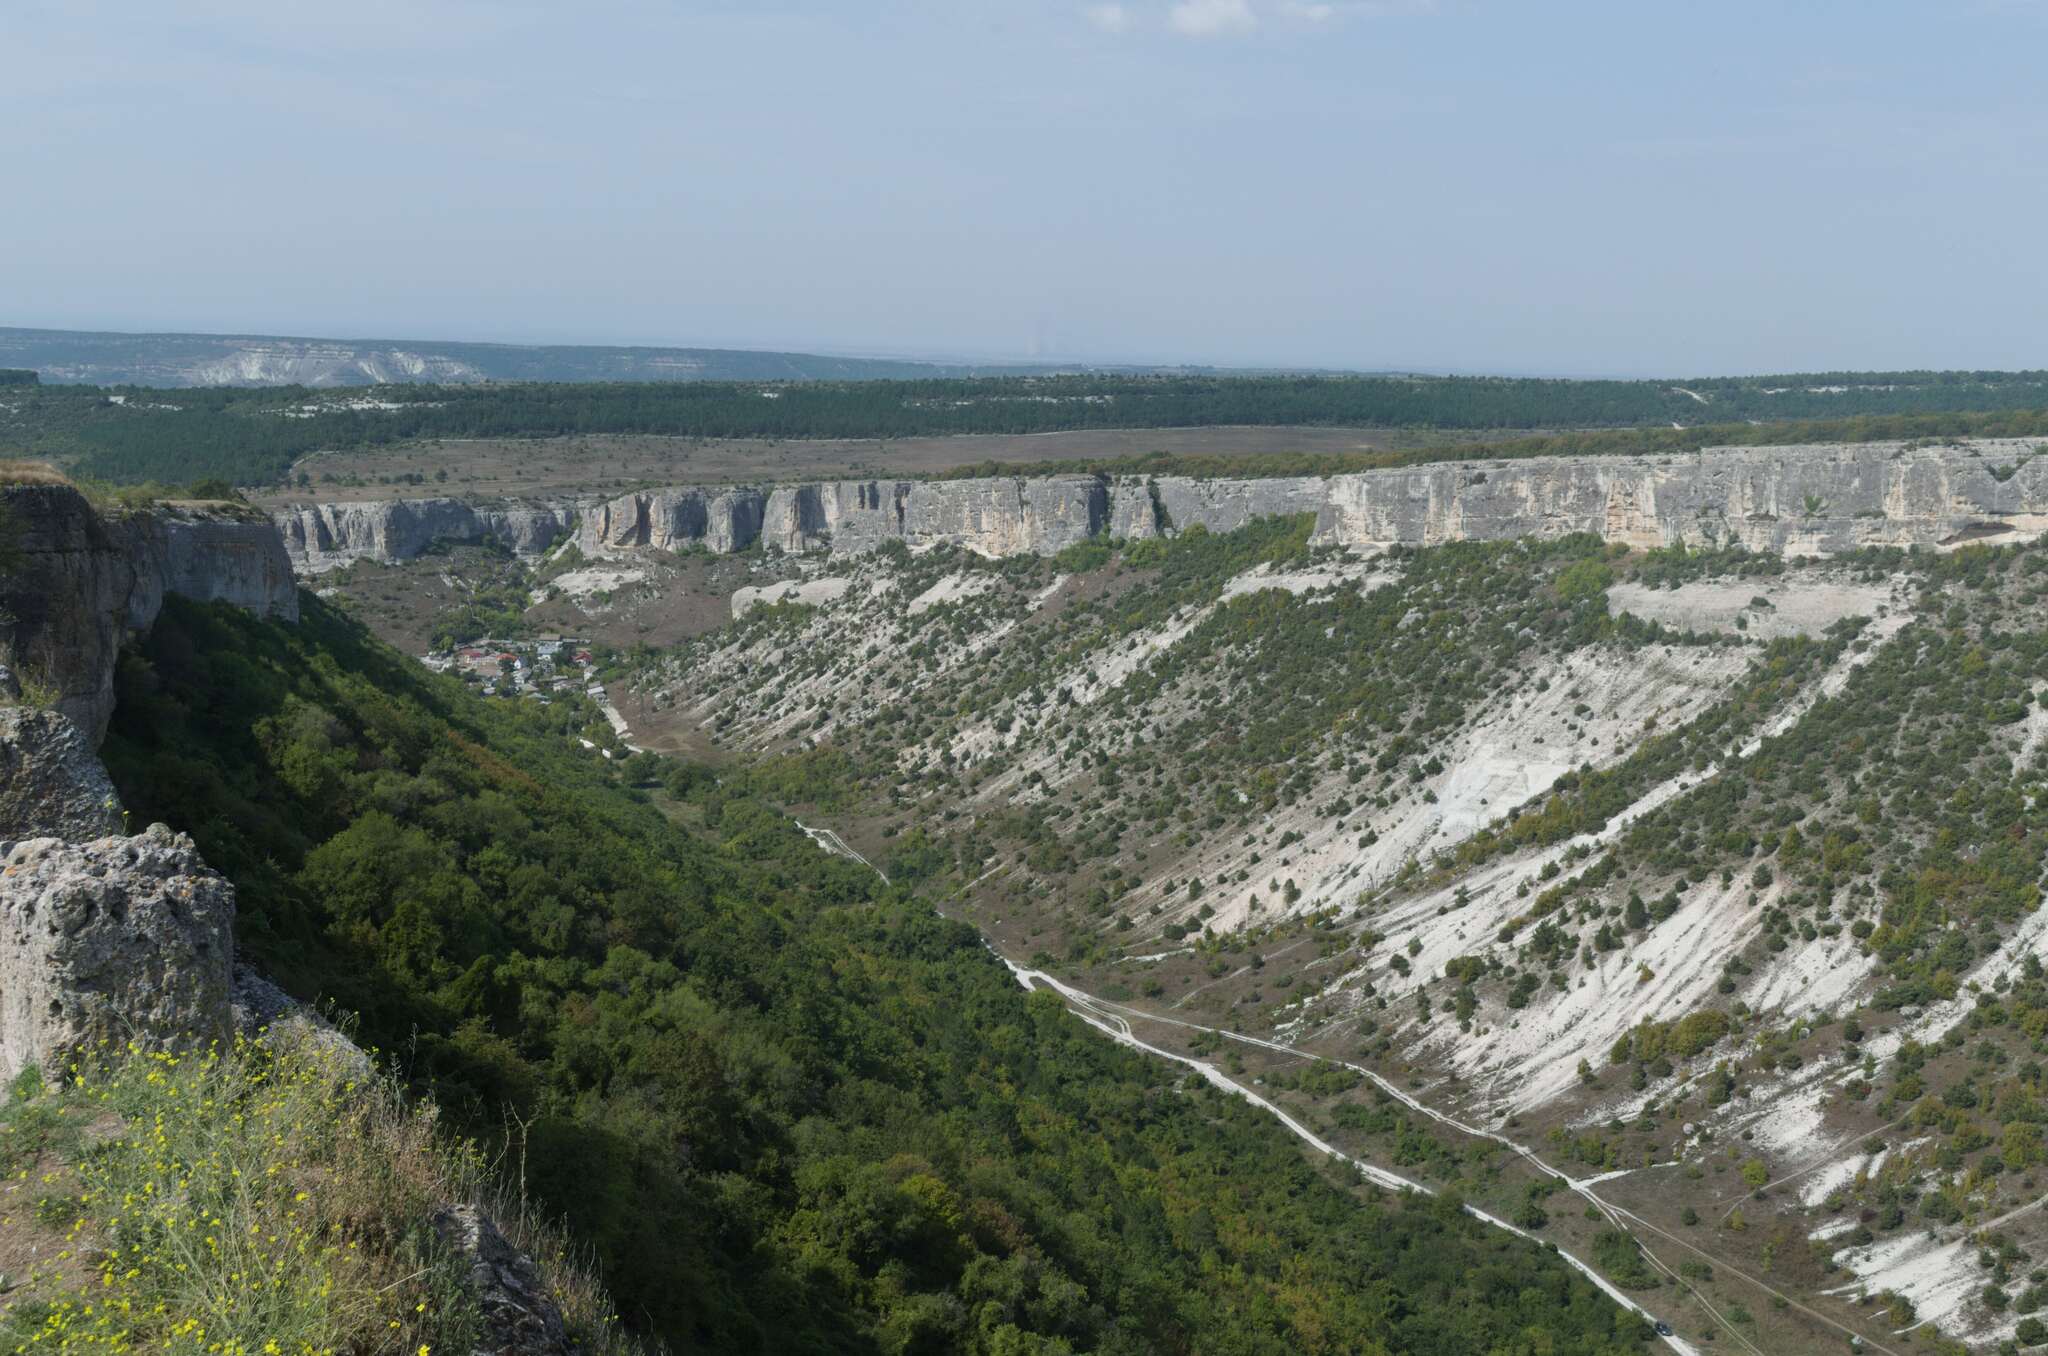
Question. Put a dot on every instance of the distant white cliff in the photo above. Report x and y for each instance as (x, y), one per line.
(1819, 499)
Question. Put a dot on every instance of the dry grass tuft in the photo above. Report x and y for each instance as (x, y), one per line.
(18, 472)
(269, 1197)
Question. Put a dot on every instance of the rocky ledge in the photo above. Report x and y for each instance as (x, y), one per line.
(84, 583)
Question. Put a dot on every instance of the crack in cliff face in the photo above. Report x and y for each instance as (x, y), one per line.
(1808, 500)
(1162, 521)
(1098, 507)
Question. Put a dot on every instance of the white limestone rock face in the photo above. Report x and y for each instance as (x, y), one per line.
(1813, 500)
(1802, 500)
(51, 785)
(844, 515)
(1135, 510)
(721, 520)
(322, 537)
(117, 939)
(231, 557)
(1007, 517)
(995, 517)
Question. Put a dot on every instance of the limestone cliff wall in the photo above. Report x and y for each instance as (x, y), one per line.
(84, 583)
(321, 537)
(846, 515)
(1802, 500)
(674, 520)
(213, 557)
(1007, 517)
(1811, 500)
(69, 603)
(1814, 500)
(994, 516)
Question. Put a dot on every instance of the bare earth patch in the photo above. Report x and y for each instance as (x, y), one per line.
(1765, 609)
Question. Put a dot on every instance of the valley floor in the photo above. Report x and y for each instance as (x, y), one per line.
(1695, 889)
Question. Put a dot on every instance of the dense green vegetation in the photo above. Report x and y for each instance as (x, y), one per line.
(253, 436)
(15, 376)
(791, 1110)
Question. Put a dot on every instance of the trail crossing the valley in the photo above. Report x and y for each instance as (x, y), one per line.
(1114, 1020)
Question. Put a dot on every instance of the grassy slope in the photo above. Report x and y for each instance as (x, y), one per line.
(270, 1197)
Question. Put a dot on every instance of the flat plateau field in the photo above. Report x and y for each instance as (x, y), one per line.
(568, 465)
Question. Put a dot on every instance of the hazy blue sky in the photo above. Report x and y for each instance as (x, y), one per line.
(1519, 185)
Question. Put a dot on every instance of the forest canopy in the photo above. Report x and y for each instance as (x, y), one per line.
(253, 437)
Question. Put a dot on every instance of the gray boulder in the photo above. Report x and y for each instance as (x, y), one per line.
(51, 784)
(260, 1008)
(520, 1317)
(115, 939)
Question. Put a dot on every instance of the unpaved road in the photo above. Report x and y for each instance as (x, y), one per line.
(838, 847)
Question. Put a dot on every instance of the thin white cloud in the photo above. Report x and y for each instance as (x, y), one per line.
(1211, 18)
(1323, 11)
(1108, 18)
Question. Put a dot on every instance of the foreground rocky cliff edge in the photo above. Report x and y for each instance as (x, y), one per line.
(109, 940)
(85, 583)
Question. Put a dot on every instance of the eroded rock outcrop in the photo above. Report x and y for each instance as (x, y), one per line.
(321, 537)
(51, 784)
(64, 611)
(259, 1008)
(116, 939)
(674, 520)
(996, 517)
(1808, 500)
(520, 1317)
(84, 584)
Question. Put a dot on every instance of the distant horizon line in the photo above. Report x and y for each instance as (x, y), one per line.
(969, 358)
